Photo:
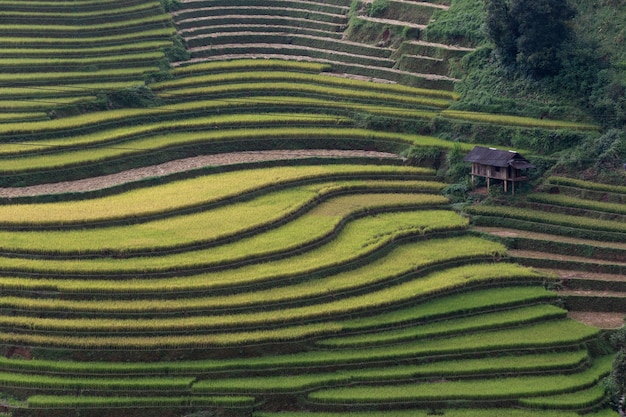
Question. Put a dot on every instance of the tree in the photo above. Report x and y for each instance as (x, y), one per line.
(618, 374)
(501, 29)
(529, 33)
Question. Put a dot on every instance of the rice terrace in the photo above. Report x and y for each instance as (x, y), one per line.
(312, 208)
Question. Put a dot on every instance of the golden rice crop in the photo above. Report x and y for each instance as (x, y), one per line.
(203, 190)
(357, 239)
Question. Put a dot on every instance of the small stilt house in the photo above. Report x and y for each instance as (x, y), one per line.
(506, 166)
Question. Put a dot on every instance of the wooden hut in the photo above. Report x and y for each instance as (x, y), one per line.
(501, 165)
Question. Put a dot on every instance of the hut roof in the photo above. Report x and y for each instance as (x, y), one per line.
(497, 158)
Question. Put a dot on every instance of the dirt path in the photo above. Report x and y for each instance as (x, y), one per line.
(506, 232)
(599, 320)
(182, 165)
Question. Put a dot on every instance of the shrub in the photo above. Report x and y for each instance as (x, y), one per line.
(378, 8)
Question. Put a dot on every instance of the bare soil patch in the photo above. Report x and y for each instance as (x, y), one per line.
(504, 232)
(182, 165)
(599, 320)
(571, 274)
(558, 257)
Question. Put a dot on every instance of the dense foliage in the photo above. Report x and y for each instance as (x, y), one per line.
(529, 33)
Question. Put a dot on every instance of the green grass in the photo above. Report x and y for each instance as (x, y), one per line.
(93, 50)
(71, 30)
(451, 412)
(551, 335)
(588, 185)
(306, 89)
(283, 76)
(573, 400)
(85, 370)
(60, 401)
(440, 369)
(461, 303)
(249, 64)
(30, 105)
(58, 40)
(581, 203)
(479, 322)
(385, 270)
(476, 390)
(558, 219)
(80, 14)
(46, 78)
(65, 90)
(21, 116)
(48, 382)
(8, 64)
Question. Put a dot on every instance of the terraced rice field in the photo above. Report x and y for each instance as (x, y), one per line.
(573, 230)
(246, 245)
(56, 55)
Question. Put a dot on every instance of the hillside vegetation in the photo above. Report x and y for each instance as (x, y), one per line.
(259, 208)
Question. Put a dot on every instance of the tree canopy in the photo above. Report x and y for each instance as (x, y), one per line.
(529, 33)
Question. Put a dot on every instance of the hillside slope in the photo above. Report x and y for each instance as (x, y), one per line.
(266, 229)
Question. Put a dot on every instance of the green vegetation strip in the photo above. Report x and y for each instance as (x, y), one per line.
(571, 401)
(301, 88)
(12, 117)
(325, 287)
(358, 239)
(60, 401)
(96, 368)
(207, 189)
(58, 40)
(462, 303)
(114, 135)
(112, 117)
(173, 140)
(421, 254)
(558, 219)
(64, 90)
(511, 317)
(128, 117)
(284, 76)
(440, 369)
(72, 30)
(378, 272)
(581, 203)
(517, 120)
(550, 334)
(477, 390)
(589, 185)
(34, 105)
(74, 14)
(86, 51)
(14, 63)
(52, 3)
(44, 382)
(386, 269)
(411, 291)
(249, 64)
(449, 412)
(53, 78)
(225, 221)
